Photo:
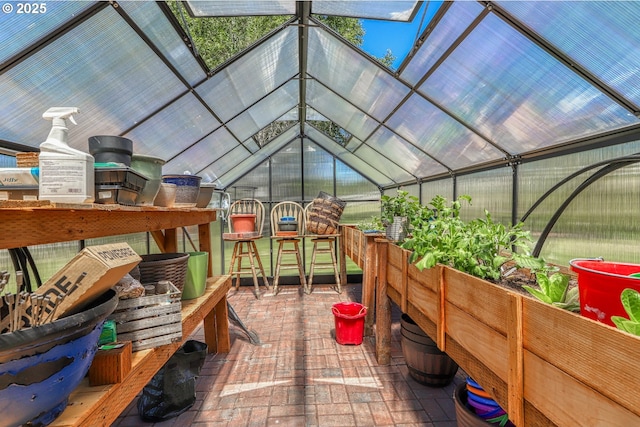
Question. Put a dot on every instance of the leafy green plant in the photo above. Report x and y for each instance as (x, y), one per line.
(373, 223)
(479, 247)
(402, 204)
(554, 289)
(631, 302)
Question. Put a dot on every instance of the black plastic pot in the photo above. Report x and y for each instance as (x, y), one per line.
(108, 148)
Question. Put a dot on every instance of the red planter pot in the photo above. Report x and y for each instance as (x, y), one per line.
(243, 223)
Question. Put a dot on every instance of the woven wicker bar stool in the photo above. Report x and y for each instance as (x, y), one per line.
(245, 242)
(285, 216)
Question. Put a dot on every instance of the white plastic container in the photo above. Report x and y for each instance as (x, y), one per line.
(66, 174)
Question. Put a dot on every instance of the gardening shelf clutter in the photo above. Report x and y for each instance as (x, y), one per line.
(542, 364)
(118, 371)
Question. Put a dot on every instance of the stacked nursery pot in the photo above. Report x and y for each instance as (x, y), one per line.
(476, 408)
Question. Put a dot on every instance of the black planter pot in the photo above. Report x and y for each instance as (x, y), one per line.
(108, 148)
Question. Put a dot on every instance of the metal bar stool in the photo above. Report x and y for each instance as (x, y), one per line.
(250, 211)
(287, 226)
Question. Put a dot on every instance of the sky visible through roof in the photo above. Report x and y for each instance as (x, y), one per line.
(398, 37)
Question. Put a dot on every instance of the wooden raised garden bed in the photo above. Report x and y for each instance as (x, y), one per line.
(545, 366)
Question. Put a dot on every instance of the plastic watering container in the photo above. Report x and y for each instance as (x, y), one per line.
(600, 284)
(349, 320)
(196, 279)
(66, 174)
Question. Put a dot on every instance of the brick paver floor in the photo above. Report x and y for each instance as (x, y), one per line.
(300, 376)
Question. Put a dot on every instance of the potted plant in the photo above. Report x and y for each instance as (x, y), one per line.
(371, 225)
(397, 212)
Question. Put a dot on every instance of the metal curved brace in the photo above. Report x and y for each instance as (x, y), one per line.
(612, 166)
(573, 175)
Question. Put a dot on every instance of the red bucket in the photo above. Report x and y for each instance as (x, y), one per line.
(600, 285)
(349, 318)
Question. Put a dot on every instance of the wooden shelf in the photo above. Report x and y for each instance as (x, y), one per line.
(101, 405)
(27, 226)
(38, 223)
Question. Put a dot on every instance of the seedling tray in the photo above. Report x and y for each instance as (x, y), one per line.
(125, 177)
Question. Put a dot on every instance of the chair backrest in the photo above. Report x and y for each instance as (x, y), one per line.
(287, 209)
(248, 206)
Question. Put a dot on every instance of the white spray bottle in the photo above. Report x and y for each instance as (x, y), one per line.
(66, 175)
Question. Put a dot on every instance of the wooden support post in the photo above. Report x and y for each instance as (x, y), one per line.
(404, 282)
(383, 308)
(369, 281)
(167, 241)
(441, 328)
(342, 254)
(515, 383)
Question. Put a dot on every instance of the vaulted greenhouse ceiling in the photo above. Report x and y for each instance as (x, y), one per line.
(487, 84)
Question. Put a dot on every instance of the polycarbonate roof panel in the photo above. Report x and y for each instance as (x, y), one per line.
(148, 16)
(229, 161)
(239, 169)
(353, 144)
(313, 115)
(203, 153)
(350, 159)
(251, 145)
(364, 83)
(403, 154)
(439, 135)
(174, 128)
(339, 111)
(450, 27)
(601, 36)
(25, 23)
(290, 115)
(390, 10)
(241, 8)
(252, 76)
(102, 67)
(516, 94)
(383, 165)
(266, 111)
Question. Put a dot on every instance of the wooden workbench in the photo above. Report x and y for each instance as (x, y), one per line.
(38, 223)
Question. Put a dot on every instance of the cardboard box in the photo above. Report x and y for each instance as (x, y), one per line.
(110, 366)
(88, 275)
